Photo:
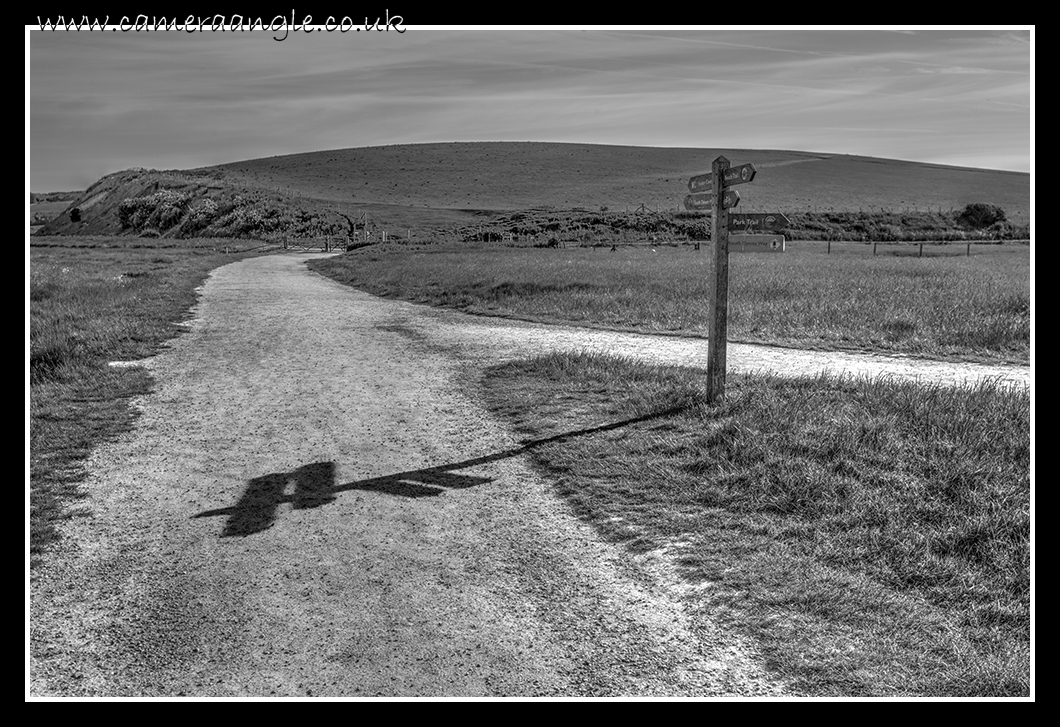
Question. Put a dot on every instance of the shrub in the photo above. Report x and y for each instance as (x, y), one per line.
(130, 213)
(163, 210)
(200, 216)
(980, 215)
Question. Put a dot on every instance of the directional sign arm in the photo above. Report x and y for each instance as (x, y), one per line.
(758, 221)
(739, 175)
(699, 201)
(704, 201)
(730, 198)
(733, 175)
(701, 183)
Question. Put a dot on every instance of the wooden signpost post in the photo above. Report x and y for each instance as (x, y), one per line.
(713, 191)
(719, 301)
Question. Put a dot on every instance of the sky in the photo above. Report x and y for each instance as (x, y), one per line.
(99, 102)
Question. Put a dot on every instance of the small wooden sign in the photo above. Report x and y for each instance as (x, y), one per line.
(758, 222)
(756, 243)
(705, 201)
(733, 175)
(701, 183)
(739, 175)
(701, 201)
(730, 198)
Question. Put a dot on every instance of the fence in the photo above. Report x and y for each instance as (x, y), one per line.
(322, 244)
(920, 249)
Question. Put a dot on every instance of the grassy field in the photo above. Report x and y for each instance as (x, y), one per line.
(873, 538)
(945, 304)
(92, 301)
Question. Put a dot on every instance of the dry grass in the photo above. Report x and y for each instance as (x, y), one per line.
(872, 536)
(92, 301)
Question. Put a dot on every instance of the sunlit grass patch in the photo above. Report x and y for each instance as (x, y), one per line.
(872, 535)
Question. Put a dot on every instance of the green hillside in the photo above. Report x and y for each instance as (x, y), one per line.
(424, 188)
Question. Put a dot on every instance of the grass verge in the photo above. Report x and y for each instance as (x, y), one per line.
(948, 306)
(93, 301)
(872, 536)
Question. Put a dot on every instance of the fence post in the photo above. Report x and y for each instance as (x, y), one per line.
(968, 250)
(874, 249)
(829, 247)
(921, 250)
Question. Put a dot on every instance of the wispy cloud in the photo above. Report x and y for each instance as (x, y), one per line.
(964, 70)
(171, 99)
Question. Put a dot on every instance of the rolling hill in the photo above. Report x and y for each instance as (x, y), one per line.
(425, 187)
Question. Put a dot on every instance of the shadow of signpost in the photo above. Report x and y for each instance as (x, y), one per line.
(422, 483)
(256, 509)
(314, 484)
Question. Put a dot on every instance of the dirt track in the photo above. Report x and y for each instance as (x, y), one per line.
(310, 506)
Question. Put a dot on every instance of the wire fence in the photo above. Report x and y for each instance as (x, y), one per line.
(924, 249)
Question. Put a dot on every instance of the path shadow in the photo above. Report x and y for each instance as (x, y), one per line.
(314, 484)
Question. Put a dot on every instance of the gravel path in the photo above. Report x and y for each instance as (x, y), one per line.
(310, 506)
(483, 338)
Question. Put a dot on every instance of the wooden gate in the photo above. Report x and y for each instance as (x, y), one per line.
(333, 243)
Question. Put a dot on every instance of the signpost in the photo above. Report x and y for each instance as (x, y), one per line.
(713, 191)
